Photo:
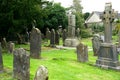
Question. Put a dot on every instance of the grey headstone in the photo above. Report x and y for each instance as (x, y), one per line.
(96, 42)
(82, 53)
(11, 47)
(1, 59)
(41, 73)
(78, 33)
(21, 65)
(4, 44)
(52, 38)
(35, 43)
(64, 36)
(57, 38)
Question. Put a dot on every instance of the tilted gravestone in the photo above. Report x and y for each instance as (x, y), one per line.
(64, 36)
(52, 38)
(57, 38)
(21, 65)
(41, 73)
(35, 43)
(96, 42)
(82, 53)
(107, 54)
(71, 40)
(11, 47)
(1, 59)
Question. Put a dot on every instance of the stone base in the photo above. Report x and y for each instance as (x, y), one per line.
(108, 57)
(71, 42)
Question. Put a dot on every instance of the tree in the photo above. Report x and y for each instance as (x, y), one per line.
(77, 10)
(86, 15)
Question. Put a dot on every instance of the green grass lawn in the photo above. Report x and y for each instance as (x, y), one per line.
(62, 65)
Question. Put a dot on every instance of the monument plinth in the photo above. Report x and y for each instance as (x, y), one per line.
(71, 40)
(107, 54)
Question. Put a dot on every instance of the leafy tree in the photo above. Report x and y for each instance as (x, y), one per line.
(86, 15)
(77, 10)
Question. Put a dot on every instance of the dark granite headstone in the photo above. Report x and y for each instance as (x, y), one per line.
(52, 38)
(21, 65)
(1, 59)
(57, 38)
(41, 73)
(35, 43)
(82, 53)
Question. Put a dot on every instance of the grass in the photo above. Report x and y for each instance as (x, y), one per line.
(62, 65)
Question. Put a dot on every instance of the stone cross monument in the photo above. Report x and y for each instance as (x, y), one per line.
(71, 41)
(107, 54)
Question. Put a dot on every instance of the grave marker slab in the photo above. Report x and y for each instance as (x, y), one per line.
(52, 38)
(21, 65)
(1, 59)
(35, 43)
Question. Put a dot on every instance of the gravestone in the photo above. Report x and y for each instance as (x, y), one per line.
(27, 36)
(41, 73)
(78, 33)
(11, 47)
(107, 54)
(52, 38)
(57, 38)
(35, 43)
(96, 42)
(1, 59)
(82, 53)
(21, 64)
(64, 36)
(4, 44)
(71, 40)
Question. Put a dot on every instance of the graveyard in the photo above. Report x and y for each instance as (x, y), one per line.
(84, 50)
(62, 65)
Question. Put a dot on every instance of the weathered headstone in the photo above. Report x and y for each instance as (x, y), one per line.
(1, 59)
(41, 73)
(107, 54)
(71, 40)
(27, 36)
(64, 36)
(82, 53)
(4, 44)
(35, 43)
(52, 38)
(57, 38)
(21, 65)
(96, 42)
(11, 47)
(78, 33)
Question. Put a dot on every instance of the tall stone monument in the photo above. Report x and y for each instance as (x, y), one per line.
(71, 40)
(35, 43)
(107, 54)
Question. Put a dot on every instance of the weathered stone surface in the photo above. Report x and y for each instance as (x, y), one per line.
(21, 65)
(107, 54)
(78, 33)
(35, 43)
(52, 38)
(82, 53)
(1, 59)
(41, 73)
(4, 44)
(57, 38)
(64, 36)
(11, 47)
(71, 41)
(96, 42)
